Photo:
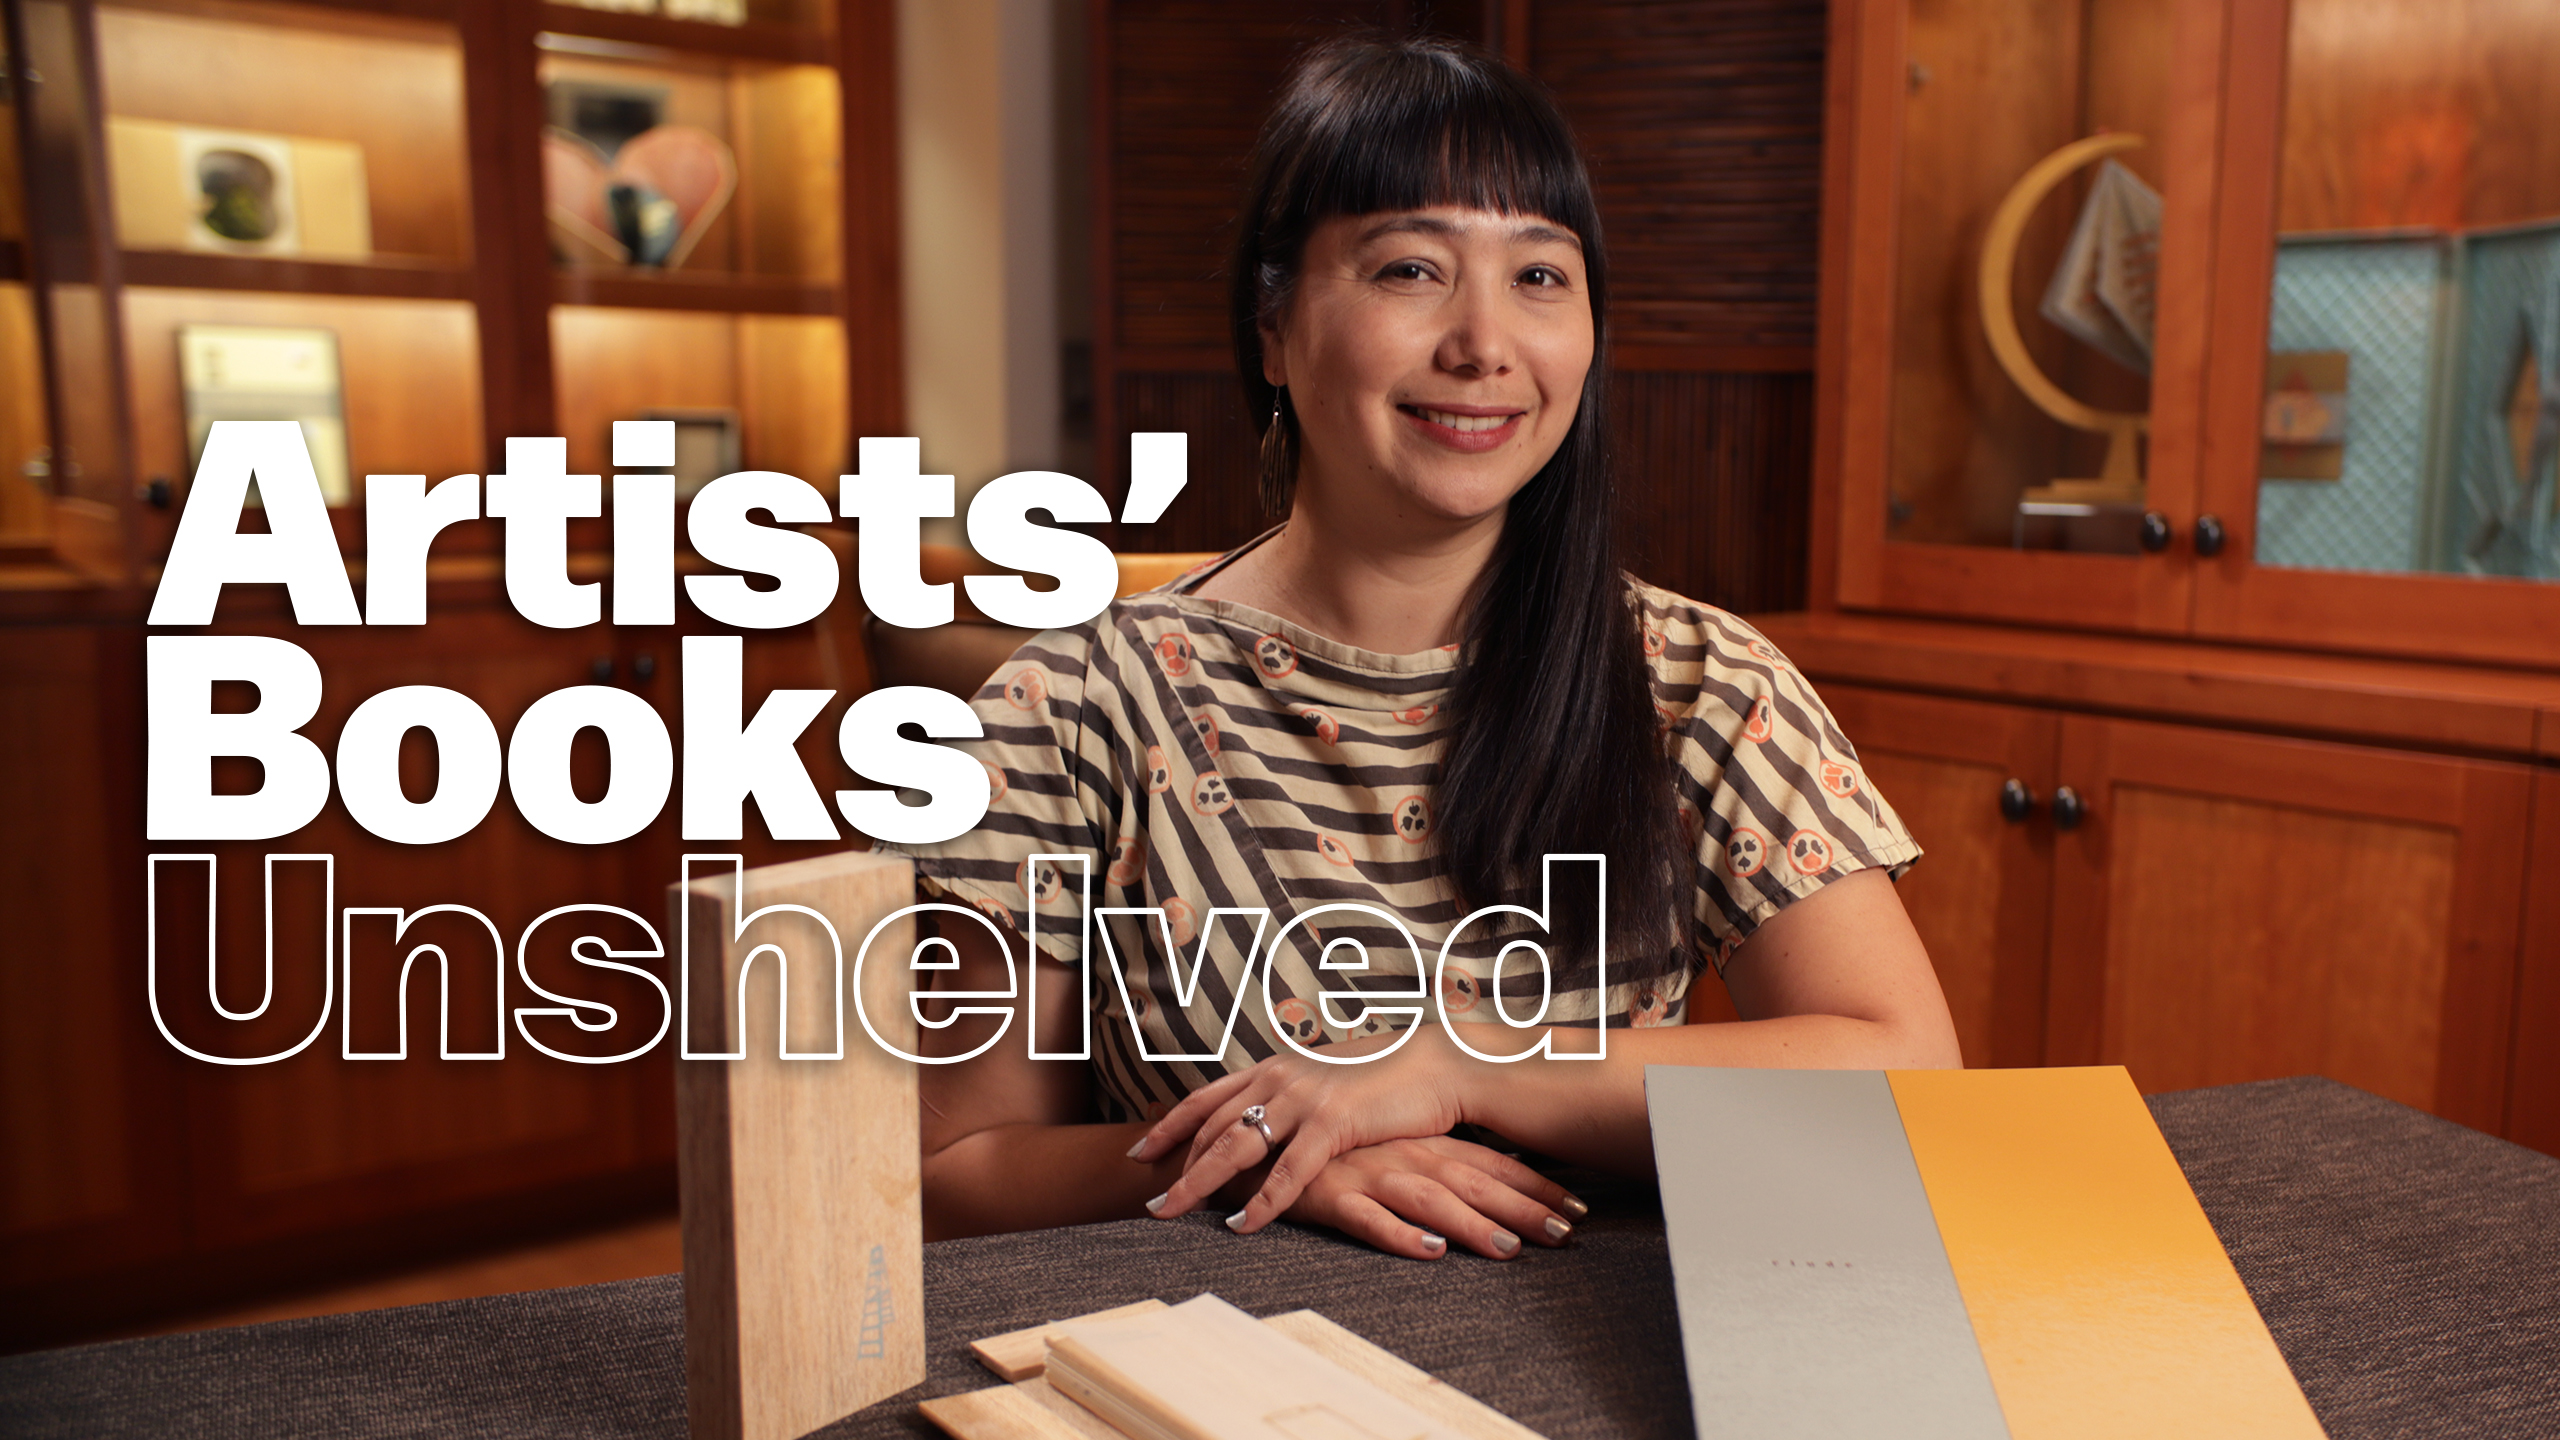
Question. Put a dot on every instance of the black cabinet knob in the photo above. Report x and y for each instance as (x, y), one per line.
(600, 670)
(2017, 802)
(2068, 809)
(2156, 533)
(644, 667)
(2209, 535)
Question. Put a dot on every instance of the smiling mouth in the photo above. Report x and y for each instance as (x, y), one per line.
(1463, 424)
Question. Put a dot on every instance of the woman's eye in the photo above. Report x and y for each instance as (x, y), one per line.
(1406, 270)
(1542, 276)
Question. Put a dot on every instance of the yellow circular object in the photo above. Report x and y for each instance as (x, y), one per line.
(2000, 258)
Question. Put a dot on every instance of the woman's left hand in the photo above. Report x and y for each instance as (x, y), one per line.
(1316, 1111)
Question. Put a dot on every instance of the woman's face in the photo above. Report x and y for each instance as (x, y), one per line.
(1434, 357)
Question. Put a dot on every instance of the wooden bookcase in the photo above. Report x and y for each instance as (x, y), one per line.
(135, 1183)
(2308, 821)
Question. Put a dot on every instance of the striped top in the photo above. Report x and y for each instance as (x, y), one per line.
(1207, 757)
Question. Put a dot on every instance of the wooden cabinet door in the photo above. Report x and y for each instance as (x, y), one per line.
(2533, 1091)
(2236, 907)
(317, 1147)
(1981, 894)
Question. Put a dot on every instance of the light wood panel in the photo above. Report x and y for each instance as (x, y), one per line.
(391, 86)
(783, 374)
(2239, 908)
(409, 370)
(803, 1226)
(1980, 896)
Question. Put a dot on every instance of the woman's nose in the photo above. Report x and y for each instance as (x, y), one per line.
(1478, 341)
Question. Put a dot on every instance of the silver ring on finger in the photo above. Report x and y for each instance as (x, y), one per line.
(1252, 1118)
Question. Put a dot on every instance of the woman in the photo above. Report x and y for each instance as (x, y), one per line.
(1431, 676)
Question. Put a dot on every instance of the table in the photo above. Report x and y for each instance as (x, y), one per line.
(2409, 1268)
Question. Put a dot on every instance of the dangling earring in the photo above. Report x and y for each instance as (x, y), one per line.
(1279, 458)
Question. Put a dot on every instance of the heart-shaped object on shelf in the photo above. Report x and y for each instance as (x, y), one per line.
(650, 205)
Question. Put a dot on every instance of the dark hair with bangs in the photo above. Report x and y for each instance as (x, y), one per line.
(1554, 746)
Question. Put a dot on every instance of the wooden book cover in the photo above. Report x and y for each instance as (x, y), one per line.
(1954, 1253)
(803, 1226)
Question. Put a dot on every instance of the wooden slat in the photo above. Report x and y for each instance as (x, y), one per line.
(803, 1227)
(1702, 122)
(2442, 707)
(2533, 1090)
(1714, 474)
(1021, 1354)
(1030, 1409)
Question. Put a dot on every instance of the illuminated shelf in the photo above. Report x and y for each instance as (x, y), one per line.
(683, 290)
(782, 44)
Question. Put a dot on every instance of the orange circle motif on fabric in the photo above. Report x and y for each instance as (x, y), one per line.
(995, 912)
(1649, 1009)
(1128, 861)
(1179, 918)
(1159, 774)
(997, 785)
(1332, 849)
(1757, 728)
(1210, 796)
(1458, 992)
(1207, 726)
(1417, 715)
(1298, 1018)
(1413, 819)
(1173, 652)
(1655, 642)
(1763, 650)
(1746, 852)
(1274, 657)
(1839, 779)
(1809, 852)
(1040, 884)
(1027, 688)
(1328, 729)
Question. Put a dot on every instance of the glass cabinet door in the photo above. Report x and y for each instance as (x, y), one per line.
(2389, 482)
(2017, 408)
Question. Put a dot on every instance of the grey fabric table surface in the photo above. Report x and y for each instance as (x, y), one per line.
(2409, 1268)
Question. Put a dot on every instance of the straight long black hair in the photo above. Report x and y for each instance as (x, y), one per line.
(1554, 743)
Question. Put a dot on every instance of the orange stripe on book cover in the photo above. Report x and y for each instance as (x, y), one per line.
(2103, 1302)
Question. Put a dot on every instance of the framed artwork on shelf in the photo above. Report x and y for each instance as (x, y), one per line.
(238, 192)
(268, 372)
(708, 445)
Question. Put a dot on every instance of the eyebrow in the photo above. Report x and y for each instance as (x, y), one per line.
(1533, 231)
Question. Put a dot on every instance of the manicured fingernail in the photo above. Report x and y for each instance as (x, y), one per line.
(1505, 1244)
(1575, 1208)
(1434, 1244)
(1558, 1230)
(1236, 1221)
(1138, 1149)
(1156, 1206)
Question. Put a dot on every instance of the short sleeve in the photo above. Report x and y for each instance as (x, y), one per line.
(1772, 796)
(1053, 778)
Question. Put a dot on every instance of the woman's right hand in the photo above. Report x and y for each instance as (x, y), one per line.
(1404, 1196)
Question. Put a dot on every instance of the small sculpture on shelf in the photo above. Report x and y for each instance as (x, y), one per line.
(648, 204)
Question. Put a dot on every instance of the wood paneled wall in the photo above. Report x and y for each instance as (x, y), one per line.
(1703, 121)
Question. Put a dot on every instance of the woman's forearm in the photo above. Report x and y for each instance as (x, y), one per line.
(1592, 1112)
(1030, 1177)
